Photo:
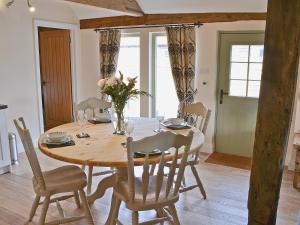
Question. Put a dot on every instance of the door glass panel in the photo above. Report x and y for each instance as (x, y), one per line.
(130, 67)
(253, 89)
(239, 53)
(238, 70)
(238, 88)
(255, 70)
(256, 53)
(245, 70)
(166, 101)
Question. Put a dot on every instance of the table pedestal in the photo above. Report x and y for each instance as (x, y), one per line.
(108, 182)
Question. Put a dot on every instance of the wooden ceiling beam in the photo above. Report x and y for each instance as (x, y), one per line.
(129, 7)
(163, 19)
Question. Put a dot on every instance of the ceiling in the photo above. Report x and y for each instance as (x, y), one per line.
(176, 6)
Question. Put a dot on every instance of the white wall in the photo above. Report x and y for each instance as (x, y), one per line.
(18, 87)
(90, 64)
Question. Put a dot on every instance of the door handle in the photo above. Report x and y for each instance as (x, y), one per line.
(222, 93)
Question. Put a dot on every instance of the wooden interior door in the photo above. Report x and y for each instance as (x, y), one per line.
(240, 68)
(56, 79)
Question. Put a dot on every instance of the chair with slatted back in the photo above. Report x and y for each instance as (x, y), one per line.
(197, 115)
(155, 191)
(54, 185)
(95, 105)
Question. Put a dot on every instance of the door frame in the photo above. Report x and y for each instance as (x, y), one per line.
(74, 31)
(218, 72)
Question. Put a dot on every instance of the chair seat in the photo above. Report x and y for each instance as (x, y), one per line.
(190, 161)
(63, 179)
(122, 191)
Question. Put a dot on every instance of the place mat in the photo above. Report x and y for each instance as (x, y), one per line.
(151, 154)
(98, 122)
(70, 143)
(142, 155)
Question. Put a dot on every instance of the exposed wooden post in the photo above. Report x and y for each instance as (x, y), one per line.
(275, 109)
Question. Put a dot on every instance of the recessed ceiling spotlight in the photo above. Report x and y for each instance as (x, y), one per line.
(29, 3)
(8, 4)
(30, 6)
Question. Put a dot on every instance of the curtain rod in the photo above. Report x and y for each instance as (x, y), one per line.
(150, 26)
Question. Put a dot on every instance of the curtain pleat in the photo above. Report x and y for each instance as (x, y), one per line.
(182, 48)
(109, 52)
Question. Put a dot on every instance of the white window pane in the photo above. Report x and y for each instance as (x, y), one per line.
(256, 53)
(239, 53)
(238, 71)
(238, 88)
(255, 70)
(129, 65)
(166, 102)
(253, 89)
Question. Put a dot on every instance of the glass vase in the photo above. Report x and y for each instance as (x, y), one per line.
(119, 124)
(117, 116)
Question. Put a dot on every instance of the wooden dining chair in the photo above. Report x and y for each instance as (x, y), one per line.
(197, 115)
(61, 181)
(155, 191)
(95, 105)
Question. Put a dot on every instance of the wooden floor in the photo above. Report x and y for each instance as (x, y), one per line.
(227, 191)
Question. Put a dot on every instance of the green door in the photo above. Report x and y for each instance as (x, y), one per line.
(240, 67)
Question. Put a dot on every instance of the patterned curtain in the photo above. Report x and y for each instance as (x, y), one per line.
(182, 47)
(109, 52)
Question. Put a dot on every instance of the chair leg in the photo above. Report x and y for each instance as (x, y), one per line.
(44, 210)
(77, 200)
(160, 213)
(183, 181)
(88, 215)
(135, 218)
(173, 212)
(115, 212)
(35, 205)
(199, 183)
(90, 180)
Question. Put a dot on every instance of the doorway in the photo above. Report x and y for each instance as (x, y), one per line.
(55, 76)
(240, 68)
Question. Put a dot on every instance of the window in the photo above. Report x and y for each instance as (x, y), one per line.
(165, 101)
(129, 65)
(245, 70)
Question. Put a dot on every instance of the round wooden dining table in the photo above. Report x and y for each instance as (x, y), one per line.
(105, 149)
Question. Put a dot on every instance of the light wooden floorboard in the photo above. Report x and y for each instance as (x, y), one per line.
(226, 187)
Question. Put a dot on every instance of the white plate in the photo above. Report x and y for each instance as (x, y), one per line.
(57, 136)
(174, 121)
(101, 119)
(67, 139)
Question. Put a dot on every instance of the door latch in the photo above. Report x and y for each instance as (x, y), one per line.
(222, 93)
(44, 83)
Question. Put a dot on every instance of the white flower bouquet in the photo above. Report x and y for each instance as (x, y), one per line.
(120, 92)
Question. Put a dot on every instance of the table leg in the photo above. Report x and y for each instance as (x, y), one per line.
(103, 185)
